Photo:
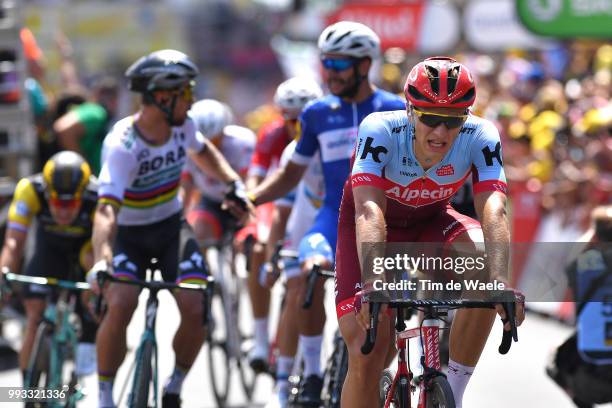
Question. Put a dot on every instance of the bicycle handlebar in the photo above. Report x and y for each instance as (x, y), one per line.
(206, 288)
(39, 280)
(509, 309)
(314, 273)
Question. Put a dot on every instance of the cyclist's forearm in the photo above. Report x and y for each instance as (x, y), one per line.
(277, 229)
(278, 184)
(12, 251)
(212, 162)
(104, 229)
(496, 233)
(370, 234)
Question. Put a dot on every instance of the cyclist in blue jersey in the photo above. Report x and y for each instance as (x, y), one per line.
(328, 127)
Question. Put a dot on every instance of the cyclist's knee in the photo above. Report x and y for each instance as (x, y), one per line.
(121, 302)
(364, 366)
(190, 306)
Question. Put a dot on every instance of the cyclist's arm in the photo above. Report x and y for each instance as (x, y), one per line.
(104, 230)
(491, 209)
(69, 131)
(279, 183)
(370, 226)
(211, 161)
(186, 190)
(12, 250)
(280, 215)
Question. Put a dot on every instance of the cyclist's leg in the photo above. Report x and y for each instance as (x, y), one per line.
(183, 262)
(471, 327)
(206, 222)
(287, 336)
(360, 387)
(315, 247)
(34, 308)
(259, 295)
(121, 302)
(46, 260)
(85, 359)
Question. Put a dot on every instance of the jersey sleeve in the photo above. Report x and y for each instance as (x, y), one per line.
(118, 169)
(487, 165)
(262, 156)
(308, 142)
(288, 199)
(195, 140)
(373, 151)
(24, 206)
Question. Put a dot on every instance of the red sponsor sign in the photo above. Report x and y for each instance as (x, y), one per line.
(397, 24)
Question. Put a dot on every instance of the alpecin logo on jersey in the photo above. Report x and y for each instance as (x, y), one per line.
(446, 170)
(418, 193)
(157, 162)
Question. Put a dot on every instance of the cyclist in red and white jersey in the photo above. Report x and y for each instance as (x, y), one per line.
(407, 166)
(208, 219)
(291, 96)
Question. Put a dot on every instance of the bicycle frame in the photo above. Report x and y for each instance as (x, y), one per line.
(151, 317)
(148, 335)
(428, 332)
(64, 336)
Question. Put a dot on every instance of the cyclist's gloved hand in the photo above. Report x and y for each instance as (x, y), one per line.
(267, 275)
(92, 274)
(519, 301)
(236, 201)
(361, 305)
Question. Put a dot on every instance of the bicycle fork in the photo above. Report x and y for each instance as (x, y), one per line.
(429, 335)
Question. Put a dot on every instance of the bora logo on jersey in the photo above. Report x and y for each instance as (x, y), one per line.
(155, 163)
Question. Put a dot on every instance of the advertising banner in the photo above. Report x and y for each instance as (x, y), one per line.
(416, 26)
(567, 18)
(493, 25)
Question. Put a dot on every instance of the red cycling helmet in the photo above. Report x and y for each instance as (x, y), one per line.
(440, 82)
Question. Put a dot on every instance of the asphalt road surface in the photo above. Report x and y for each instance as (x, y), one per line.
(515, 380)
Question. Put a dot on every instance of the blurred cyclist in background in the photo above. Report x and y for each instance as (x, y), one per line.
(294, 215)
(329, 126)
(62, 199)
(290, 98)
(209, 221)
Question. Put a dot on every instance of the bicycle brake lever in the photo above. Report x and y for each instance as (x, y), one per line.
(512, 334)
(312, 278)
(370, 340)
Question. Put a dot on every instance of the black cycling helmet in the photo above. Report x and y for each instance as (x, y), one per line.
(66, 174)
(163, 69)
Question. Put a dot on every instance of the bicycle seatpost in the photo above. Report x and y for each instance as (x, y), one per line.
(370, 340)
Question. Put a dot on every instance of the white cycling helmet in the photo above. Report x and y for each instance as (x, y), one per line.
(211, 116)
(350, 38)
(296, 92)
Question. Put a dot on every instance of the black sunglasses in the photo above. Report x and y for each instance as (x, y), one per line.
(433, 120)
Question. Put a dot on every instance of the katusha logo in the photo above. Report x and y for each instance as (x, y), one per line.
(446, 170)
(420, 193)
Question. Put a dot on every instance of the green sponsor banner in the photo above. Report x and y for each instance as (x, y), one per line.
(567, 18)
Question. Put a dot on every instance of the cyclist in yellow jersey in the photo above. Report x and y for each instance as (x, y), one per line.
(62, 199)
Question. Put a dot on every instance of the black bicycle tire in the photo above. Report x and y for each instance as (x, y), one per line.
(439, 393)
(244, 367)
(214, 344)
(39, 356)
(142, 377)
(384, 384)
(337, 371)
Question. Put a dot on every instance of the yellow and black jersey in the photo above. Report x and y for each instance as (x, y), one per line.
(29, 201)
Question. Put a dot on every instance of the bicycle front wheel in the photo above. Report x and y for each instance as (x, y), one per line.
(439, 394)
(39, 360)
(333, 379)
(219, 367)
(139, 397)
